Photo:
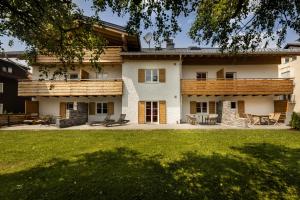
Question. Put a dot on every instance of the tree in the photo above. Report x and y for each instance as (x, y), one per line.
(53, 27)
(230, 24)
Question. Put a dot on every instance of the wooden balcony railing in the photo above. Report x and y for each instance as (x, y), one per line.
(237, 87)
(70, 88)
(110, 55)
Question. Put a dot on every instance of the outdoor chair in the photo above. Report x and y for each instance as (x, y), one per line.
(275, 119)
(212, 119)
(120, 121)
(106, 120)
(191, 119)
(252, 120)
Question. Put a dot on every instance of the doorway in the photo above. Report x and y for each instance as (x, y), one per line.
(152, 112)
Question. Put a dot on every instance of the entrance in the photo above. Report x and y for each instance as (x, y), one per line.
(151, 111)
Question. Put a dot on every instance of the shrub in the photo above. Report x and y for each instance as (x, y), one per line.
(295, 123)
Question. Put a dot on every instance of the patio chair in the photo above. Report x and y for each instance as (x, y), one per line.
(212, 119)
(252, 120)
(120, 121)
(275, 119)
(106, 120)
(191, 119)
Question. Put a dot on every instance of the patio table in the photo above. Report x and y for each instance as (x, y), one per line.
(202, 118)
(261, 117)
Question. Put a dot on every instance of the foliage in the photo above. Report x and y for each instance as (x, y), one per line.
(53, 27)
(295, 123)
(233, 24)
(159, 164)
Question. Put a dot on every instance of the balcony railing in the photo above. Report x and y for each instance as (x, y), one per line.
(237, 87)
(85, 87)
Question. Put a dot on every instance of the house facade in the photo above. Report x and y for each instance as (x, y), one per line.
(163, 85)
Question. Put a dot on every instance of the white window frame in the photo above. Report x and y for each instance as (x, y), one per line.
(1, 108)
(151, 76)
(201, 107)
(101, 108)
(1, 87)
(206, 75)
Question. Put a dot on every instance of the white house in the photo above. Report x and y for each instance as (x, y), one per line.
(164, 85)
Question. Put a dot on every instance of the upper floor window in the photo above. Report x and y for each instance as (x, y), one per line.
(74, 76)
(151, 76)
(1, 87)
(201, 107)
(70, 106)
(9, 70)
(230, 75)
(201, 75)
(102, 108)
(286, 74)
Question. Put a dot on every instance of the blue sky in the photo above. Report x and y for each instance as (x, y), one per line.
(182, 39)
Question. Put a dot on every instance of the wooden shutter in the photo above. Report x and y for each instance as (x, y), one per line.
(110, 108)
(92, 108)
(141, 76)
(162, 75)
(241, 108)
(141, 112)
(31, 107)
(212, 107)
(281, 106)
(162, 112)
(62, 109)
(220, 74)
(84, 74)
(193, 109)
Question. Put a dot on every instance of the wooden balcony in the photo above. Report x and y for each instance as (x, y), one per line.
(70, 88)
(237, 87)
(111, 55)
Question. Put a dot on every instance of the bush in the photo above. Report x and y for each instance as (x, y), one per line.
(295, 123)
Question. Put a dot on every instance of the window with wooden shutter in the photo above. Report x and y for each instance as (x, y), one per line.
(162, 112)
(193, 109)
(220, 74)
(162, 75)
(62, 109)
(141, 75)
(212, 107)
(110, 106)
(241, 108)
(92, 108)
(141, 112)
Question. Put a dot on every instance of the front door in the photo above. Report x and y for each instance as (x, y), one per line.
(151, 112)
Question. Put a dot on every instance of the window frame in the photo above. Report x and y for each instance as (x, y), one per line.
(1, 108)
(202, 79)
(102, 108)
(152, 75)
(201, 103)
(71, 74)
(231, 103)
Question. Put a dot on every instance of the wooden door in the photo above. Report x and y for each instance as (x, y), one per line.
(220, 74)
(241, 108)
(62, 109)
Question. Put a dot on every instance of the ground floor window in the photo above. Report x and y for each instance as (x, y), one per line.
(201, 107)
(101, 108)
(233, 105)
(70, 106)
(1, 108)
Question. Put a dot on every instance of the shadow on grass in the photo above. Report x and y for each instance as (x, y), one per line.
(267, 171)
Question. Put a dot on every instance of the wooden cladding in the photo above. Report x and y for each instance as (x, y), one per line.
(162, 112)
(70, 88)
(110, 55)
(141, 112)
(237, 87)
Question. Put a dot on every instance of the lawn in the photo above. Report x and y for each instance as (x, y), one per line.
(160, 164)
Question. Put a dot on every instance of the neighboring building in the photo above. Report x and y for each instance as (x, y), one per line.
(163, 85)
(10, 73)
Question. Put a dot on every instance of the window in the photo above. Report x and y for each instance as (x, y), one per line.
(4, 69)
(201, 107)
(101, 108)
(1, 87)
(74, 76)
(233, 105)
(1, 108)
(9, 70)
(70, 106)
(201, 75)
(286, 74)
(151, 75)
(230, 75)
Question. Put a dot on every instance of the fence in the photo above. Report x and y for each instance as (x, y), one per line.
(10, 119)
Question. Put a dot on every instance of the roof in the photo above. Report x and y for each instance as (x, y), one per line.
(211, 51)
(292, 44)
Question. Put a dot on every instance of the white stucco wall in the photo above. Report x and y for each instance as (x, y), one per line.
(112, 72)
(260, 105)
(243, 71)
(134, 92)
(50, 106)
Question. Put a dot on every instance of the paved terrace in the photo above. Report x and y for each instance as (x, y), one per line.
(139, 127)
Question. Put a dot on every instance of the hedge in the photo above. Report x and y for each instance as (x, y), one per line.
(295, 123)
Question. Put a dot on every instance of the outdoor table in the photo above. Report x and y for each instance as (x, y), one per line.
(202, 118)
(261, 117)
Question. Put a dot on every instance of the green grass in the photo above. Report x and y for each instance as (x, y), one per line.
(160, 164)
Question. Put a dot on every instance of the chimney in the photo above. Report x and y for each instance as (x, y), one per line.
(170, 44)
